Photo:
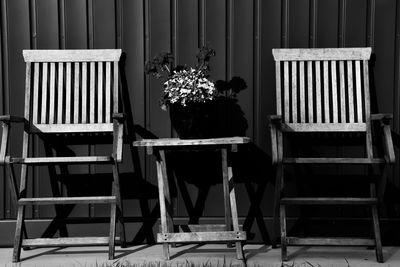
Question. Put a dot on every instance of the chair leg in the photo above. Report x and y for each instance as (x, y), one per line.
(278, 193)
(14, 190)
(111, 242)
(377, 233)
(18, 231)
(227, 203)
(375, 220)
(164, 199)
(227, 176)
(119, 208)
(283, 233)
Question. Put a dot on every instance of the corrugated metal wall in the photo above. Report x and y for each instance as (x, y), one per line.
(243, 33)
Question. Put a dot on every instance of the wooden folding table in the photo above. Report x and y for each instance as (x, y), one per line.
(228, 232)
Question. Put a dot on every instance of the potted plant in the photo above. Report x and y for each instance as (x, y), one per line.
(191, 97)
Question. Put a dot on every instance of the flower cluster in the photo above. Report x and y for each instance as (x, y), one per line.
(184, 85)
(188, 86)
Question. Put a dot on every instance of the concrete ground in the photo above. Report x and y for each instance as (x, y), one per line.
(202, 255)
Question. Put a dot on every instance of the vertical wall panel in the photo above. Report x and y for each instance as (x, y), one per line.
(3, 92)
(242, 32)
(134, 104)
(216, 36)
(216, 30)
(299, 23)
(19, 38)
(187, 47)
(47, 38)
(243, 62)
(327, 18)
(356, 17)
(242, 42)
(104, 23)
(187, 35)
(384, 50)
(76, 24)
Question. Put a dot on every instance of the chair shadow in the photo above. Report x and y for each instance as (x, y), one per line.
(251, 167)
(118, 253)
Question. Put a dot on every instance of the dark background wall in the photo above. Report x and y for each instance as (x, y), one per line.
(243, 33)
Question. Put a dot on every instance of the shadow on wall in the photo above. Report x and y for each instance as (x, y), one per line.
(251, 166)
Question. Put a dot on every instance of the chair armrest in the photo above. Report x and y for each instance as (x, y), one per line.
(275, 119)
(9, 118)
(383, 117)
(387, 134)
(119, 116)
(275, 122)
(5, 121)
(118, 126)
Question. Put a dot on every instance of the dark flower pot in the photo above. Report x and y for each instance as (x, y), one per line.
(193, 121)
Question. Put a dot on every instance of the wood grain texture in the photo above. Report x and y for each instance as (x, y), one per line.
(331, 241)
(72, 55)
(362, 53)
(191, 142)
(65, 242)
(67, 200)
(198, 237)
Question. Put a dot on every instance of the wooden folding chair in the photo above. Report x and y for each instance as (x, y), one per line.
(325, 91)
(69, 93)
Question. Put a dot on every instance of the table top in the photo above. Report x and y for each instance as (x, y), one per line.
(163, 142)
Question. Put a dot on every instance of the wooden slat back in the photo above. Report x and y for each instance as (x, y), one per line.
(72, 87)
(323, 86)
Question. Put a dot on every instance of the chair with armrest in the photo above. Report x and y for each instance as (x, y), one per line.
(325, 91)
(68, 93)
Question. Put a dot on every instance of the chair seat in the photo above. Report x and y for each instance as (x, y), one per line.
(60, 160)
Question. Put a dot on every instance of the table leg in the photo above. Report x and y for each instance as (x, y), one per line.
(227, 203)
(165, 199)
(227, 176)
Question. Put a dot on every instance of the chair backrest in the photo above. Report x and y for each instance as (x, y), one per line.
(324, 90)
(71, 90)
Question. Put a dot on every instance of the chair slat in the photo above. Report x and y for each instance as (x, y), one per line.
(108, 91)
(342, 92)
(35, 108)
(286, 89)
(310, 92)
(52, 99)
(334, 92)
(358, 92)
(28, 76)
(326, 92)
(278, 88)
(318, 90)
(60, 93)
(76, 92)
(366, 91)
(92, 91)
(350, 90)
(115, 87)
(294, 91)
(68, 94)
(84, 92)
(302, 93)
(100, 92)
(367, 108)
(44, 93)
